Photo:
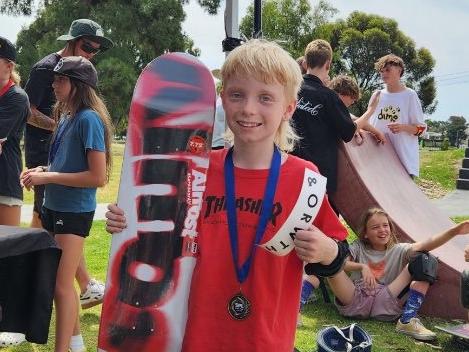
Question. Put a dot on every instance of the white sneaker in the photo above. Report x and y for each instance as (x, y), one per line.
(93, 296)
(11, 339)
(416, 329)
(81, 349)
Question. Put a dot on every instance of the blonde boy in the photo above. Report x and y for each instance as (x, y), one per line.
(234, 306)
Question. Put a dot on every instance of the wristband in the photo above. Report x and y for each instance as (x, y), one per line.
(420, 130)
(333, 268)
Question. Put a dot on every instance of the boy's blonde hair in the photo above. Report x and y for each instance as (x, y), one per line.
(345, 85)
(317, 53)
(390, 59)
(267, 62)
(364, 223)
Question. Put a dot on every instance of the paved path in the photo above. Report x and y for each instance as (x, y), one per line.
(27, 212)
(455, 203)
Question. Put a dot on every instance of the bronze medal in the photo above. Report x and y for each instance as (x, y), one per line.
(239, 307)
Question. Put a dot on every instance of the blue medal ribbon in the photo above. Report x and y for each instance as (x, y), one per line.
(242, 271)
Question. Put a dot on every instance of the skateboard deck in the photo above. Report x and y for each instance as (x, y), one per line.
(459, 331)
(163, 178)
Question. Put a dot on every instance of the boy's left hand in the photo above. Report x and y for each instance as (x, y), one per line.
(401, 127)
(313, 246)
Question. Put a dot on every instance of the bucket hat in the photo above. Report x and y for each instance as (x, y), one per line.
(84, 27)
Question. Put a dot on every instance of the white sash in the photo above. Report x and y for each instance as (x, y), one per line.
(302, 216)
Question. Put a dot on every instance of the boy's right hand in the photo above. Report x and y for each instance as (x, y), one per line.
(313, 246)
(115, 219)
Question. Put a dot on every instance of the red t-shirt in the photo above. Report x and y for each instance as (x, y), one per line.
(273, 283)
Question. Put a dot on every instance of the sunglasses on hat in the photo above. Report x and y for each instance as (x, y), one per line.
(88, 48)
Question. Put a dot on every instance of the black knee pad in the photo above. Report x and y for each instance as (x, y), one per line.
(423, 267)
(465, 289)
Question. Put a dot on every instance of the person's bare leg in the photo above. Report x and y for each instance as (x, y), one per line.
(66, 299)
(342, 287)
(35, 221)
(404, 279)
(10, 215)
(76, 327)
(82, 276)
(312, 279)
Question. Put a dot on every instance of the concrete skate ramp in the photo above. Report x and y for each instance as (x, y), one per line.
(371, 175)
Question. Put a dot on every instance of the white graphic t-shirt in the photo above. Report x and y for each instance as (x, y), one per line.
(403, 107)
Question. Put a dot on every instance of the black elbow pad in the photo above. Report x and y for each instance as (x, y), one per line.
(333, 268)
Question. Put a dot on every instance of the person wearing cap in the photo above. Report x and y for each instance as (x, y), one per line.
(79, 162)
(85, 38)
(14, 110)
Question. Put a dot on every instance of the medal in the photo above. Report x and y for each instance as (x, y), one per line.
(239, 307)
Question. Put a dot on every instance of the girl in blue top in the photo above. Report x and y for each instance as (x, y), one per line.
(79, 162)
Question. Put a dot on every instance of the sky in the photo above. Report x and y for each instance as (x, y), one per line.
(440, 26)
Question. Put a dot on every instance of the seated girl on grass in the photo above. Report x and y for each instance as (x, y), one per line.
(382, 268)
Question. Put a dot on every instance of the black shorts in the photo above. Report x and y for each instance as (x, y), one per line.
(38, 198)
(58, 222)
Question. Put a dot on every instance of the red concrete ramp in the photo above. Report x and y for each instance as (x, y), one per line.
(371, 175)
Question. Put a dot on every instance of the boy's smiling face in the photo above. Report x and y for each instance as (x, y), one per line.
(254, 110)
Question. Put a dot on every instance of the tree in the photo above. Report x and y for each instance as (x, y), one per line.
(26, 7)
(16, 7)
(140, 29)
(456, 130)
(437, 126)
(361, 39)
(289, 22)
(357, 42)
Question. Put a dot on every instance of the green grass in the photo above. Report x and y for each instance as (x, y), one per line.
(436, 166)
(440, 167)
(316, 315)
